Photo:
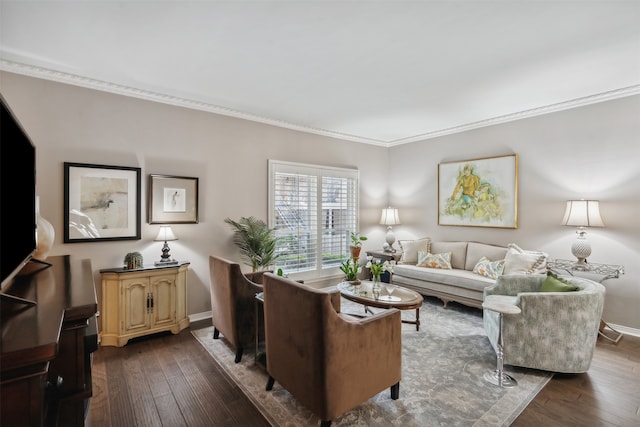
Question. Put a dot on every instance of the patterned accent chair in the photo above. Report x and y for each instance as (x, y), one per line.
(330, 362)
(232, 303)
(556, 331)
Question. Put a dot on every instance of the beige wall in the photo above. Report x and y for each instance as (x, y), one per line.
(586, 152)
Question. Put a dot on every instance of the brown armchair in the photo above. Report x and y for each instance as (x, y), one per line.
(232, 303)
(330, 362)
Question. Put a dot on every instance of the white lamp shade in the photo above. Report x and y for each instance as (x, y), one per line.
(165, 234)
(390, 216)
(583, 213)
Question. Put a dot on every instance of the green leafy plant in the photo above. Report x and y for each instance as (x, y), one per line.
(377, 267)
(351, 268)
(357, 239)
(256, 241)
(133, 260)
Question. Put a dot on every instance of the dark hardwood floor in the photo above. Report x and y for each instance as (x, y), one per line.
(170, 380)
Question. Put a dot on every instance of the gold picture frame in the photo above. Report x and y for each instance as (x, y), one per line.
(480, 192)
(173, 199)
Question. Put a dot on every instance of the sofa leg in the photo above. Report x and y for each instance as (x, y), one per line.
(216, 333)
(270, 382)
(395, 391)
(238, 355)
(325, 423)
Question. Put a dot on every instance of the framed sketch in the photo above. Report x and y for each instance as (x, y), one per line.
(173, 199)
(479, 192)
(101, 203)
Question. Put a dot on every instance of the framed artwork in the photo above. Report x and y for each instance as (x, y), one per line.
(479, 192)
(101, 203)
(173, 199)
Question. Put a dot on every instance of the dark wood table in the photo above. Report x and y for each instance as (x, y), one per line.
(401, 298)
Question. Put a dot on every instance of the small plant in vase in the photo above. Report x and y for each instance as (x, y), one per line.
(356, 244)
(133, 260)
(351, 269)
(377, 268)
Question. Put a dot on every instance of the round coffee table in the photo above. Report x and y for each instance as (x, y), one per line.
(402, 298)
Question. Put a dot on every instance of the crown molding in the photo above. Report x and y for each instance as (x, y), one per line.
(77, 80)
(547, 109)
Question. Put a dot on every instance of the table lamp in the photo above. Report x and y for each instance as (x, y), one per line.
(389, 218)
(165, 234)
(581, 214)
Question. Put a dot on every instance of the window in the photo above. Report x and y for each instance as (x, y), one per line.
(313, 209)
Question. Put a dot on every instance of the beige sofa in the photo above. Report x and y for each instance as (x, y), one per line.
(460, 283)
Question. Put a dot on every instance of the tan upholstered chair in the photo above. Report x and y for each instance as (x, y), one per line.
(232, 303)
(329, 362)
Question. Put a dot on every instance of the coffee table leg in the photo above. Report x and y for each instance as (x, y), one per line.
(417, 319)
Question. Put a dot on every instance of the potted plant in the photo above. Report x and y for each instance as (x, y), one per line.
(356, 244)
(351, 268)
(256, 241)
(133, 260)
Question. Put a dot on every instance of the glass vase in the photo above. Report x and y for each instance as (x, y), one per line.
(375, 289)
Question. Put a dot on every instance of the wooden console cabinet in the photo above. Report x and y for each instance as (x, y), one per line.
(46, 348)
(142, 301)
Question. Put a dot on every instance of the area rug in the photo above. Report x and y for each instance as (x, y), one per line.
(442, 377)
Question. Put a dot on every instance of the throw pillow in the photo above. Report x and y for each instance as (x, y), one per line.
(486, 267)
(410, 249)
(442, 261)
(520, 261)
(553, 284)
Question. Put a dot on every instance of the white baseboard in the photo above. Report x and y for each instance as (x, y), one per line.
(200, 316)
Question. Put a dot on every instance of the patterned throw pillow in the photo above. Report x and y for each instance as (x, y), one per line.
(486, 267)
(443, 260)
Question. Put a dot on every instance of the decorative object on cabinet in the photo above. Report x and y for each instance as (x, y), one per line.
(142, 302)
(45, 235)
(101, 203)
(389, 218)
(581, 214)
(479, 192)
(165, 234)
(173, 199)
(133, 260)
(255, 240)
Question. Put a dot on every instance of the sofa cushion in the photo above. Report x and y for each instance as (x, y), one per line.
(520, 261)
(475, 251)
(553, 284)
(458, 252)
(442, 261)
(410, 249)
(486, 267)
(455, 278)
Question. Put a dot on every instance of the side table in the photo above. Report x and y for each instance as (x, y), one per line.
(392, 257)
(499, 377)
(606, 271)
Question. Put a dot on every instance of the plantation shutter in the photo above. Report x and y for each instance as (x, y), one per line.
(313, 209)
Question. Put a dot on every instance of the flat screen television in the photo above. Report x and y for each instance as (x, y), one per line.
(18, 217)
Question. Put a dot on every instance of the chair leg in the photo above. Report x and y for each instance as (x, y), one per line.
(216, 333)
(238, 354)
(270, 383)
(395, 391)
(325, 423)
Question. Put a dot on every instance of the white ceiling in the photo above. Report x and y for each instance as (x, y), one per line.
(380, 72)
